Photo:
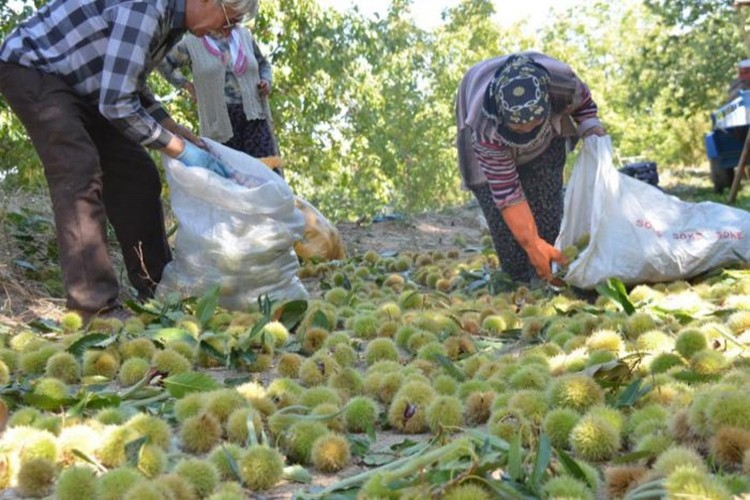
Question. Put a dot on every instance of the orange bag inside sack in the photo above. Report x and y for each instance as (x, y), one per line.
(321, 239)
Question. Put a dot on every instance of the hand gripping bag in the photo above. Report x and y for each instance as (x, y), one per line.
(638, 233)
(239, 235)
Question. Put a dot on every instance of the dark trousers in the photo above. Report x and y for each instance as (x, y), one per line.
(94, 173)
(253, 137)
(542, 182)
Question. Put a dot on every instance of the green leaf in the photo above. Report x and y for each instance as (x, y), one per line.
(346, 284)
(471, 275)
(476, 285)
(683, 317)
(235, 381)
(405, 444)
(293, 346)
(647, 491)
(239, 358)
(515, 470)
(489, 439)
(320, 320)
(632, 393)
(212, 352)
(651, 494)
(378, 458)
(45, 326)
(611, 371)
(500, 282)
(43, 402)
(265, 304)
(95, 401)
(252, 434)
(232, 464)
(88, 459)
(542, 460)
(615, 290)
(136, 306)
(450, 367)
(80, 346)
(443, 476)
(505, 490)
(348, 494)
(207, 305)
(246, 341)
(297, 474)
(172, 230)
(133, 450)
(320, 418)
(632, 457)
(360, 445)
(571, 466)
(185, 383)
(166, 335)
(291, 313)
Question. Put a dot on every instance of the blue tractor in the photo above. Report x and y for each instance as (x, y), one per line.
(728, 143)
(725, 142)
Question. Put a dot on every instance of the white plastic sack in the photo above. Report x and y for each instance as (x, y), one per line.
(238, 236)
(639, 234)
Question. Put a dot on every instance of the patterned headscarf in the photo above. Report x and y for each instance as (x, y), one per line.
(518, 94)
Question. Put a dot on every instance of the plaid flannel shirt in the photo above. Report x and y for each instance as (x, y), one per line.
(104, 49)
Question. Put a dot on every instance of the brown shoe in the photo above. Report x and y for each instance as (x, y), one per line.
(116, 312)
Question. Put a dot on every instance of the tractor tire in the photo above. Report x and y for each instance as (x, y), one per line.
(721, 177)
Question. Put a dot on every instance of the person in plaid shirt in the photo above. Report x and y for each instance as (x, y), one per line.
(75, 74)
(516, 115)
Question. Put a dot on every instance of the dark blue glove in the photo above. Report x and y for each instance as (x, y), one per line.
(193, 156)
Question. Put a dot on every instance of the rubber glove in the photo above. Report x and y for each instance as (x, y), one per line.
(193, 156)
(521, 223)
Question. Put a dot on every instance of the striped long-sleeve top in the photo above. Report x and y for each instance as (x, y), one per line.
(104, 49)
(483, 154)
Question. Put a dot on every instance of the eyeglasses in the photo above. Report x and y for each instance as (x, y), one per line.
(230, 23)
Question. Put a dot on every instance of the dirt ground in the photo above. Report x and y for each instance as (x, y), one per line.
(23, 300)
(420, 233)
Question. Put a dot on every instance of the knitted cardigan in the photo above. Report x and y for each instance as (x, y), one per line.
(209, 75)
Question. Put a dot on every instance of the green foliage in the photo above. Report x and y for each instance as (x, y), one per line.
(33, 234)
(16, 151)
(363, 107)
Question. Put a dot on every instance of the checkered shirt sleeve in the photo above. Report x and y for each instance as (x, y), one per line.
(104, 49)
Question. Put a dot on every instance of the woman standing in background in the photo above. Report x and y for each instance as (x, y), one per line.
(231, 81)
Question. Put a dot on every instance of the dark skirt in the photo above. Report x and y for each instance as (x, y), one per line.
(253, 137)
(542, 182)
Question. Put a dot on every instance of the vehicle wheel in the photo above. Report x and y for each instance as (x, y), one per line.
(721, 177)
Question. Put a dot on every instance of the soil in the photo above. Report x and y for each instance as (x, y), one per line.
(23, 300)
(424, 232)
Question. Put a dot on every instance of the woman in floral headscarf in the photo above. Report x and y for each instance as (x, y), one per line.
(516, 116)
(231, 83)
